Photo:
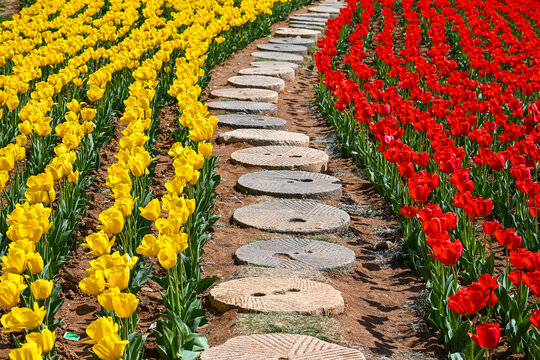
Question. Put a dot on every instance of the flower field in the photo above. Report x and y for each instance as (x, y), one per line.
(439, 101)
(71, 73)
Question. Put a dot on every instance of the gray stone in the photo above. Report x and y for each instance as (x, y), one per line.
(277, 295)
(263, 137)
(279, 346)
(291, 184)
(305, 33)
(315, 21)
(274, 55)
(293, 41)
(286, 48)
(252, 121)
(247, 94)
(257, 81)
(333, 3)
(330, 10)
(275, 64)
(309, 27)
(282, 158)
(308, 23)
(316, 15)
(292, 216)
(294, 253)
(251, 107)
(285, 73)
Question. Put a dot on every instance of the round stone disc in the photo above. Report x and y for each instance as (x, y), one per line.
(285, 73)
(293, 41)
(286, 48)
(252, 107)
(314, 20)
(305, 33)
(279, 347)
(282, 158)
(291, 184)
(257, 81)
(306, 22)
(297, 254)
(333, 3)
(275, 63)
(247, 94)
(281, 295)
(292, 216)
(309, 27)
(262, 137)
(237, 121)
(332, 11)
(315, 15)
(279, 56)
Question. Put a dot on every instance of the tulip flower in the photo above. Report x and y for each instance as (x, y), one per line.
(124, 304)
(112, 221)
(9, 294)
(28, 351)
(470, 299)
(100, 328)
(23, 318)
(535, 319)
(118, 276)
(45, 340)
(110, 347)
(41, 288)
(167, 257)
(487, 335)
(105, 299)
(151, 211)
(35, 263)
(93, 284)
(447, 252)
(99, 243)
(205, 149)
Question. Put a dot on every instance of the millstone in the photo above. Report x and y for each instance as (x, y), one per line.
(251, 107)
(247, 94)
(305, 33)
(330, 10)
(306, 22)
(279, 347)
(274, 55)
(293, 41)
(252, 121)
(281, 295)
(292, 216)
(295, 253)
(315, 21)
(316, 15)
(262, 137)
(309, 27)
(295, 49)
(332, 3)
(275, 63)
(282, 158)
(257, 81)
(285, 73)
(291, 184)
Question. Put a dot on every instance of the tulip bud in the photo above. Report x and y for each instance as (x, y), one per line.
(35, 263)
(45, 340)
(41, 288)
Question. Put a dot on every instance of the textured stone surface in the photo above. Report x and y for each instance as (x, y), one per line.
(316, 15)
(282, 158)
(293, 41)
(252, 121)
(312, 20)
(279, 56)
(279, 347)
(292, 216)
(308, 27)
(251, 107)
(275, 64)
(257, 81)
(286, 48)
(333, 3)
(262, 137)
(285, 73)
(330, 10)
(293, 253)
(282, 295)
(306, 22)
(305, 33)
(263, 95)
(291, 184)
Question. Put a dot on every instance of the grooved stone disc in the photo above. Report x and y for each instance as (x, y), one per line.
(279, 347)
(281, 295)
(330, 10)
(297, 254)
(252, 121)
(292, 216)
(287, 31)
(315, 15)
(291, 184)
(286, 48)
(333, 3)
(247, 94)
(257, 81)
(282, 158)
(319, 21)
(275, 64)
(309, 27)
(293, 41)
(251, 107)
(279, 56)
(285, 73)
(306, 22)
(262, 137)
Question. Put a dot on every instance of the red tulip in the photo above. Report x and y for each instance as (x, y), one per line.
(409, 211)
(469, 300)
(535, 319)
(447, 252)
(488, 335)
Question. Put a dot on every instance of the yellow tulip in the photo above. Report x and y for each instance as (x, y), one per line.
(21, 140)
(110, 347)
(205, 149)
(45, 340)
(125, 304)
(35, 263)
(15, 261)
(23, 318)
(167, 257)
(73, 177)
(4, 177)
(118, 276)
(9, 294)
(25, 127)
(100, 328)
(112, 220)
(125, 205)
(150, 246)
(42, 288)
(151, 211)
(28, 351)
(99, 243)
(93, 284)
(105, 299)
(88, 114)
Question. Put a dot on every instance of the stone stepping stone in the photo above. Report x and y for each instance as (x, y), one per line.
(237, 121)
(317, 21)
(262, 137)
(330, 10)
(279, 347)
(293, 253)
(292, 216)
(332, 3)
(280, 56)
(251, 107)
(286, 48)
(293, 41)
(257, 81)
(277, 295)
(315, 15)
(283, 72)
(309, 27)
(263, 95)
(282, 158)
(306, 22)
(275, 64)
(305, 33)
(291, 184)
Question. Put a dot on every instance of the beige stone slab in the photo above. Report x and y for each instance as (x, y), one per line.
(248, 107)
(262, 137)
(257, 81)
(285, 73)
(279, 56)
(263, 63)
(330, 10)
(293, 32)
(263, 95)
(286, 48)
(282, 158)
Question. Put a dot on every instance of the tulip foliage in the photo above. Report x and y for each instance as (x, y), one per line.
(440, 105)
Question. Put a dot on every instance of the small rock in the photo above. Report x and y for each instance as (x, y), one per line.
(384, 245)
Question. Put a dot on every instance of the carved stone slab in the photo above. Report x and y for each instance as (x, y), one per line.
(282, 158)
